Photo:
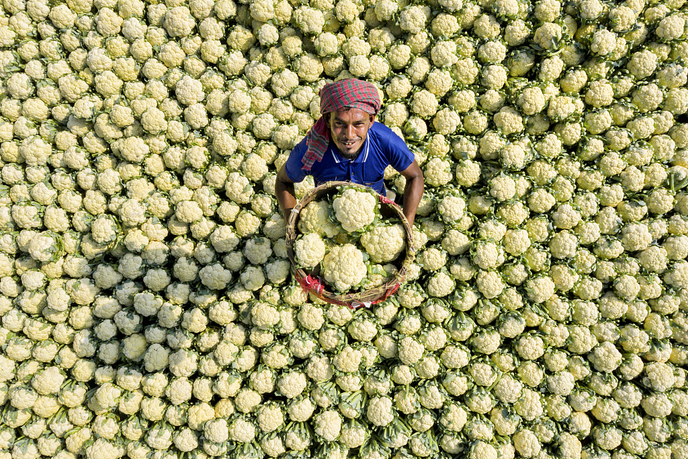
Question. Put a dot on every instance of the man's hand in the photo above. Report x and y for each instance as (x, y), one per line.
(284, 189)
(413, 191)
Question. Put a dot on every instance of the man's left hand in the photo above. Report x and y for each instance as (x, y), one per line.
(413, 191)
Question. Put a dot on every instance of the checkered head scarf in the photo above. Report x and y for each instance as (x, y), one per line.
(347, 93)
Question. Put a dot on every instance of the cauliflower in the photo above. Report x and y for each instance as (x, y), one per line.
(424, 103)
(384, 243)
(313, 218)
(355, 209)
(344, 267)
(309, 250)
(413, 19)
(309, 20)
(437, 172)
(141, 251)
(380, 411)
(328, 425)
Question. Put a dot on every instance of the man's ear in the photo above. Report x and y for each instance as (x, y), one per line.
(372, 118)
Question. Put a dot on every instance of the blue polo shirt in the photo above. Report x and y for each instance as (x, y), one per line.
(381, 148)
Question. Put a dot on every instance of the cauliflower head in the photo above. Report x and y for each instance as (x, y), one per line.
(384, 243)
(355, 209)
(344, 267)
(309, 250)
(314, 218)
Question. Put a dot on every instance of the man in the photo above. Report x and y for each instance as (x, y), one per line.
(347, 144)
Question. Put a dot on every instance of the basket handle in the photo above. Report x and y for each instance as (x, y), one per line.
(386, 200)
(355, 304)
(314, 284)
(390, 291)
(311, 284)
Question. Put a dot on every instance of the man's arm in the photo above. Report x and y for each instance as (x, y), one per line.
(413, 191)
(284, 190)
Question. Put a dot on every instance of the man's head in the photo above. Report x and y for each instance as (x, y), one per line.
(349, 130)
(350, 103)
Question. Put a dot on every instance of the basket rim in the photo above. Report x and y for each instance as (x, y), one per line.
(317, 286)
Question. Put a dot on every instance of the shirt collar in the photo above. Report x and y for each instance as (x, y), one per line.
(359, 159)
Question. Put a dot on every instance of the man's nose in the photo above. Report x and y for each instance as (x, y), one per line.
(350, 131)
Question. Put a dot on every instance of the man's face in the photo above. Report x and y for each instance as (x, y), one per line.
(349, 128)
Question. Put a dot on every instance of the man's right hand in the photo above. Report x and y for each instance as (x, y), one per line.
(284, 191)
(413, 192)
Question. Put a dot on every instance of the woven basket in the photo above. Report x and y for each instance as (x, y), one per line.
(317, 286)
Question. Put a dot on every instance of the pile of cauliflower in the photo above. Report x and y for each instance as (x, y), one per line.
(147, 304)
(345, 239)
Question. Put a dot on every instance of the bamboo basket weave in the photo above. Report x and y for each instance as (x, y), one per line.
(317, 286)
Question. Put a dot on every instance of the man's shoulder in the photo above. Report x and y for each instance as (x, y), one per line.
(380, 129)
(384, 137)
(389, 147)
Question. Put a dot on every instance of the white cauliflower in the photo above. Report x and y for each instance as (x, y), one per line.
(355, 209)
(309, 250)
(344, 267)
(384, 243)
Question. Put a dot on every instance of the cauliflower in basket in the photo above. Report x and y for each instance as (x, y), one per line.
(314, 219)
(355, 209)
(384, 243)
(378, 275)
(344, 267)
(309, 250)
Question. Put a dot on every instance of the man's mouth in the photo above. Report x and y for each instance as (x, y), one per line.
(349, 143)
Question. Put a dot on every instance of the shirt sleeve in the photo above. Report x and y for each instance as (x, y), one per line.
(293, 166)
(398, 153)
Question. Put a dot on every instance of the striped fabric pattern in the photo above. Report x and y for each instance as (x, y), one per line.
(351, 93)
